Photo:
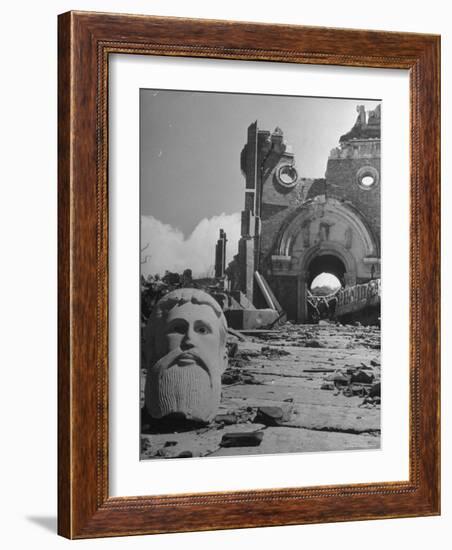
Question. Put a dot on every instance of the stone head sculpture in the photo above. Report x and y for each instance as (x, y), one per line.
(186, 354)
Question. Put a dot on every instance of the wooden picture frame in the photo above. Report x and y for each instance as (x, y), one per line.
(85, 42)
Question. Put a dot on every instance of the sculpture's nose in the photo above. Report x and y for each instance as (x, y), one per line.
(188, 339)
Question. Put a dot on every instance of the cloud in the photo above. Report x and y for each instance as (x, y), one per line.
(326, 279)
(169, 249)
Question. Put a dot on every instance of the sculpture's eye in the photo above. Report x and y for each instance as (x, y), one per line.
(201, 328)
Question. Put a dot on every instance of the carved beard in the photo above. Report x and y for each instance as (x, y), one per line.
(183, 383)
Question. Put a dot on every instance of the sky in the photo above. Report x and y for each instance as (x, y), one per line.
(190, 178)
(326, 279)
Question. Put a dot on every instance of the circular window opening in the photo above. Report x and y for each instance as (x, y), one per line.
(367, 181)
(367, 177)
(287, 175)
(325, 284)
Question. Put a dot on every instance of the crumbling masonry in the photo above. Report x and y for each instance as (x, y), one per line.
(294, 228)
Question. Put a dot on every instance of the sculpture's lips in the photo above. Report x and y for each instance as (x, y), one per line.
(188, 358)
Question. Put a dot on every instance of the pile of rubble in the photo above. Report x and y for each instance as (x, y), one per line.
(325, 334)
(236, 372)
(362, 381)
(274, 398)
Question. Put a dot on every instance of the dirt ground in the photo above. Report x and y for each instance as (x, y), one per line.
(300, 388)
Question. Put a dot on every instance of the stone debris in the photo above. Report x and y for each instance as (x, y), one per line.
(370, 402)
(226, 419)
(272, 353)
(235, 375)
(360, 375)
(352, 380)
(238, 416)
(328, 335)
(242, 439)
(184, 454)
(339, 378)
(355, 389)
(319, 370)
(274, 386)
(314, 344)
(274, 416)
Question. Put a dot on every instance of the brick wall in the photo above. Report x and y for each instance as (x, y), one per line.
(342, 184)
(271, 225)
(285, 290)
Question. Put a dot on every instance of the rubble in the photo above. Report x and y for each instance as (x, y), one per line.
(274, 385)
(235, 375)
(226, 419)
(184, 454)
(273, 353)
(359, 375)
(242, 439)
(273, 416)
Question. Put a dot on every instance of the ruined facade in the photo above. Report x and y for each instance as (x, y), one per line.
(294, 228)
(220, 255)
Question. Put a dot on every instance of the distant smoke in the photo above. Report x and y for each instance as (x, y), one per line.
(326, 279)
(169, 249)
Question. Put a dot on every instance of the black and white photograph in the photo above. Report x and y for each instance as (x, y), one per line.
(225, 275)
(259, 274)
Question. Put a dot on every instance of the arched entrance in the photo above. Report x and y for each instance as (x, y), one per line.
(326, 263)
(320, 236)
(328, 257)
(326, 270)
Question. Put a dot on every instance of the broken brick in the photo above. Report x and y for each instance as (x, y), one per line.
(242, 439)
(273, 416)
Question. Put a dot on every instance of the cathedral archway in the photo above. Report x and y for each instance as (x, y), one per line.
(328, 236)
(328, 257)
(328, 264)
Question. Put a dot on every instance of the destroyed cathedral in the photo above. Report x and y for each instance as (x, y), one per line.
(294, 228)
